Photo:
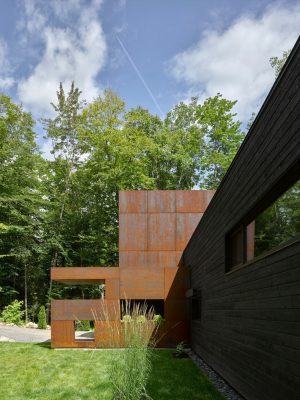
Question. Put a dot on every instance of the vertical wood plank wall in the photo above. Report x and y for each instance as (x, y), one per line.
(249, 331)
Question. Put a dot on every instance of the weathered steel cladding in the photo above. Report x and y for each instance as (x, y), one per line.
(250, 326)
(154, 228)
(141, 283)
(133, 231)
(150, 259)
(73, 310)
(75, 275)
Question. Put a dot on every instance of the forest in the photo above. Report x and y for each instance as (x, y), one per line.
(64, 211)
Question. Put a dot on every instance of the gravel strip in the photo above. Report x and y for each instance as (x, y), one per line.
(227, 391)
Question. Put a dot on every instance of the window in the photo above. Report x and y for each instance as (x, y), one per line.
(278, 223)
(84, 330)
(196, 305)
(275, 226)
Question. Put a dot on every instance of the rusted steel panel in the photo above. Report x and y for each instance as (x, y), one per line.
(133, 259)
(175, 310)
(141, 283)
(108, 334)
(83, 275)
(162, 259)
(112, 289)
(173, 332)
(179, 260)
(62, 333)
(85, 310)
(84, 344)
(134, 201)
(161, 231)
(193, 201)
(161, 201)
(149, 259)
(132, 232)
(176, 282)
(186, 224)
(151, 239)
(250, 237)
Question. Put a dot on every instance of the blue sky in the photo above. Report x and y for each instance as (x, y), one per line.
(180, 48)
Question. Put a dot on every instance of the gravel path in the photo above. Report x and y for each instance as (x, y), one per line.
(227, 391)
(25, 334)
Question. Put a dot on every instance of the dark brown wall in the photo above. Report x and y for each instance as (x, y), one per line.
(250, 326)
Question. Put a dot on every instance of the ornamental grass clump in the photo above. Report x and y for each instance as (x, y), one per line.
(136, 335)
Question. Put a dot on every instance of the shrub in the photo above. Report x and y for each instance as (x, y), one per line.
(42, 321)
(83, 325)
(13, 313)
(180, 351)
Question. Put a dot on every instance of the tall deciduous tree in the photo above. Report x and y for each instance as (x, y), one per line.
(20, 202)
(222, 138)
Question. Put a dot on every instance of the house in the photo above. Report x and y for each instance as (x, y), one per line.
(244, 256)
(239, 271)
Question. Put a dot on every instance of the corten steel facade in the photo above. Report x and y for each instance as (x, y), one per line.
(154, 229)
(248, 329)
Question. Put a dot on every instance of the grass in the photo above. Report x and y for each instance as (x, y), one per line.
(34, 371)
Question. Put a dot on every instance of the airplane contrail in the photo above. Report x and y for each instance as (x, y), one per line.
(140, 76)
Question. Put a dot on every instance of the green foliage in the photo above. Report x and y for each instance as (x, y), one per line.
(130, 372)
(222, 139)
(83, 325)
(13, 313)
(180, 350)
(42, 322)
(21, 203)
(64, 212)
(277, 63)
(158, 319)
(279, 223)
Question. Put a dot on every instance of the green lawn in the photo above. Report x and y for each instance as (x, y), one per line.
(33, 371)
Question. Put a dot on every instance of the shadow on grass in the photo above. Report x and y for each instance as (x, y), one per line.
(44, 345)
(178, 379)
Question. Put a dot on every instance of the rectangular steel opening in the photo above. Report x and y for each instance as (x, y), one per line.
(84, 330)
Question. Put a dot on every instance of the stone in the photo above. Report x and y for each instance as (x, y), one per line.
(6, 339)
(31, 325)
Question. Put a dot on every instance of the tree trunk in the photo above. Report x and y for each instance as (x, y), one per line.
(25, 294)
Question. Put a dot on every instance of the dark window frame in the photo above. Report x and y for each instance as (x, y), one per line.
(196, 305)
(273, 195)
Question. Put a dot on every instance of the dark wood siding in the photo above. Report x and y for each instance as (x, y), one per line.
(249, 331)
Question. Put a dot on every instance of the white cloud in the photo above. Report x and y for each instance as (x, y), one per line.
(76, 51)
(46, 149)
(235, 62)
(6, 81)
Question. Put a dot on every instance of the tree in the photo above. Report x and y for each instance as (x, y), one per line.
(60, 180)
(20, 203)
(277, 63)
(222, 138)
(184, 140)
